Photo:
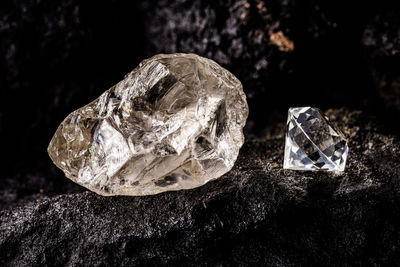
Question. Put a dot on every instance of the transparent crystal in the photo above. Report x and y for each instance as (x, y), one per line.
(175, 122)
(313, 142)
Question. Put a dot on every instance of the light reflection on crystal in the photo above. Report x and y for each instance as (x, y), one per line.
(313, 142)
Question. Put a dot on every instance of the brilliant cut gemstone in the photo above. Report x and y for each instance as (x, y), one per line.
(313, 142)
(175, 122)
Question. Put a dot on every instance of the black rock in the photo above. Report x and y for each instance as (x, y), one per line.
(57, 56)
(257, 214)
(381, 49)
(286, 53)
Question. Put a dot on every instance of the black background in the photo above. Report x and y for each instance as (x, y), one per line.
(58, 55)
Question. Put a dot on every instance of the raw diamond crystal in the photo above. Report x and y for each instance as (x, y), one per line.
(175, 122)
(313, 142)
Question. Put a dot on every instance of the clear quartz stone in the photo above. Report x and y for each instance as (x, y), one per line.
(313, 142)
(175, 122)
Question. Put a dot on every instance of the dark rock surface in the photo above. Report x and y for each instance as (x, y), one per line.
(258, 214)
(285, 52)
(57, 56)
(381, 47)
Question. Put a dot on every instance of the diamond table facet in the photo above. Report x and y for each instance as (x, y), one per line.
(313, 142)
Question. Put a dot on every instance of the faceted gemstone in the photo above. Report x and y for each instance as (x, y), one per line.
(313, 142)
(175, 122)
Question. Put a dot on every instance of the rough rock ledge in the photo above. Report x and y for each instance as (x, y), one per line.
(259, 214)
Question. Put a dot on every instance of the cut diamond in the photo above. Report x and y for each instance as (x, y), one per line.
(313, 142)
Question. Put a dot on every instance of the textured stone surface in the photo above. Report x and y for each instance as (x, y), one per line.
(257, 213)
(175, 122)
(275, 47)
(381, 47)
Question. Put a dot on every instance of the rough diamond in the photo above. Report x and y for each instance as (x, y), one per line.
(175, 122)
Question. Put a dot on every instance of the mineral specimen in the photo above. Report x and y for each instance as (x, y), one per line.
(175, 122)
(312, 142)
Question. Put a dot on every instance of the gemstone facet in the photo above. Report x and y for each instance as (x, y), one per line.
(313, 142)
(175, 122)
